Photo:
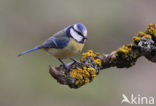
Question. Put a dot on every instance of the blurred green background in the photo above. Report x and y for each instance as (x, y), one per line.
(25, 81)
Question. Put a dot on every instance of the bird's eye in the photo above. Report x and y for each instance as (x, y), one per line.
(79, 33)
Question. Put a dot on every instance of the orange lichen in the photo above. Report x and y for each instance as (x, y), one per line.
(97, 61)
(125, 55)
(136, 39)
(151, 30)
(142, 34)
(90, 53)
(124, 50)
(83, 75)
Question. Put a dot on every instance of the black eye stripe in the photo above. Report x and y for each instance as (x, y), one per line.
(78, 32)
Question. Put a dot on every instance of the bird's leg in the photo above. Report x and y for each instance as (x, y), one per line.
(75, 61)
(64, 65)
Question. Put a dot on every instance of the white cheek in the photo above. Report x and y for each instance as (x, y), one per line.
(75, 35)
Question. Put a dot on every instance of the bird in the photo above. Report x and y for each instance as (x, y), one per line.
(64, 43)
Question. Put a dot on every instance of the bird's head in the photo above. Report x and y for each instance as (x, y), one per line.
(77, 32)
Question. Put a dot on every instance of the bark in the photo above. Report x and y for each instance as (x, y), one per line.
(143, 44)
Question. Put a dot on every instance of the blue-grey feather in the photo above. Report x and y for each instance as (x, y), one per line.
(55, 42)
(31, 50)
(68, 31)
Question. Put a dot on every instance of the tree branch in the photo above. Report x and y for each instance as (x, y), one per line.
(144, 44)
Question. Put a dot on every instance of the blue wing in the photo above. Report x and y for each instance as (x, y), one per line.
(55, 42)
(52, 42)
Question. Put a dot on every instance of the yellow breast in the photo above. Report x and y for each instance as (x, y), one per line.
(72, 49)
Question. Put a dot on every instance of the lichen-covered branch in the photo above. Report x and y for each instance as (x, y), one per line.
(144, 44)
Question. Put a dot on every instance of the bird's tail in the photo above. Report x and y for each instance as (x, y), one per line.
(31, 50)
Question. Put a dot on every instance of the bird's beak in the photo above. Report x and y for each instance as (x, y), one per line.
(85, 37)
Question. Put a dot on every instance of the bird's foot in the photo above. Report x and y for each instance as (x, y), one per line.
(66, 67)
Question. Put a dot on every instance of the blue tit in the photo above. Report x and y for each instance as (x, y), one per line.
(65, 43)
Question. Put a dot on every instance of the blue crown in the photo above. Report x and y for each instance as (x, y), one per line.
(81, 27)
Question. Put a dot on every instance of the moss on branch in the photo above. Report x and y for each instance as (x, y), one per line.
(143, 44)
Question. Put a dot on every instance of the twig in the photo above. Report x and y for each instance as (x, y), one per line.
(144, 44)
